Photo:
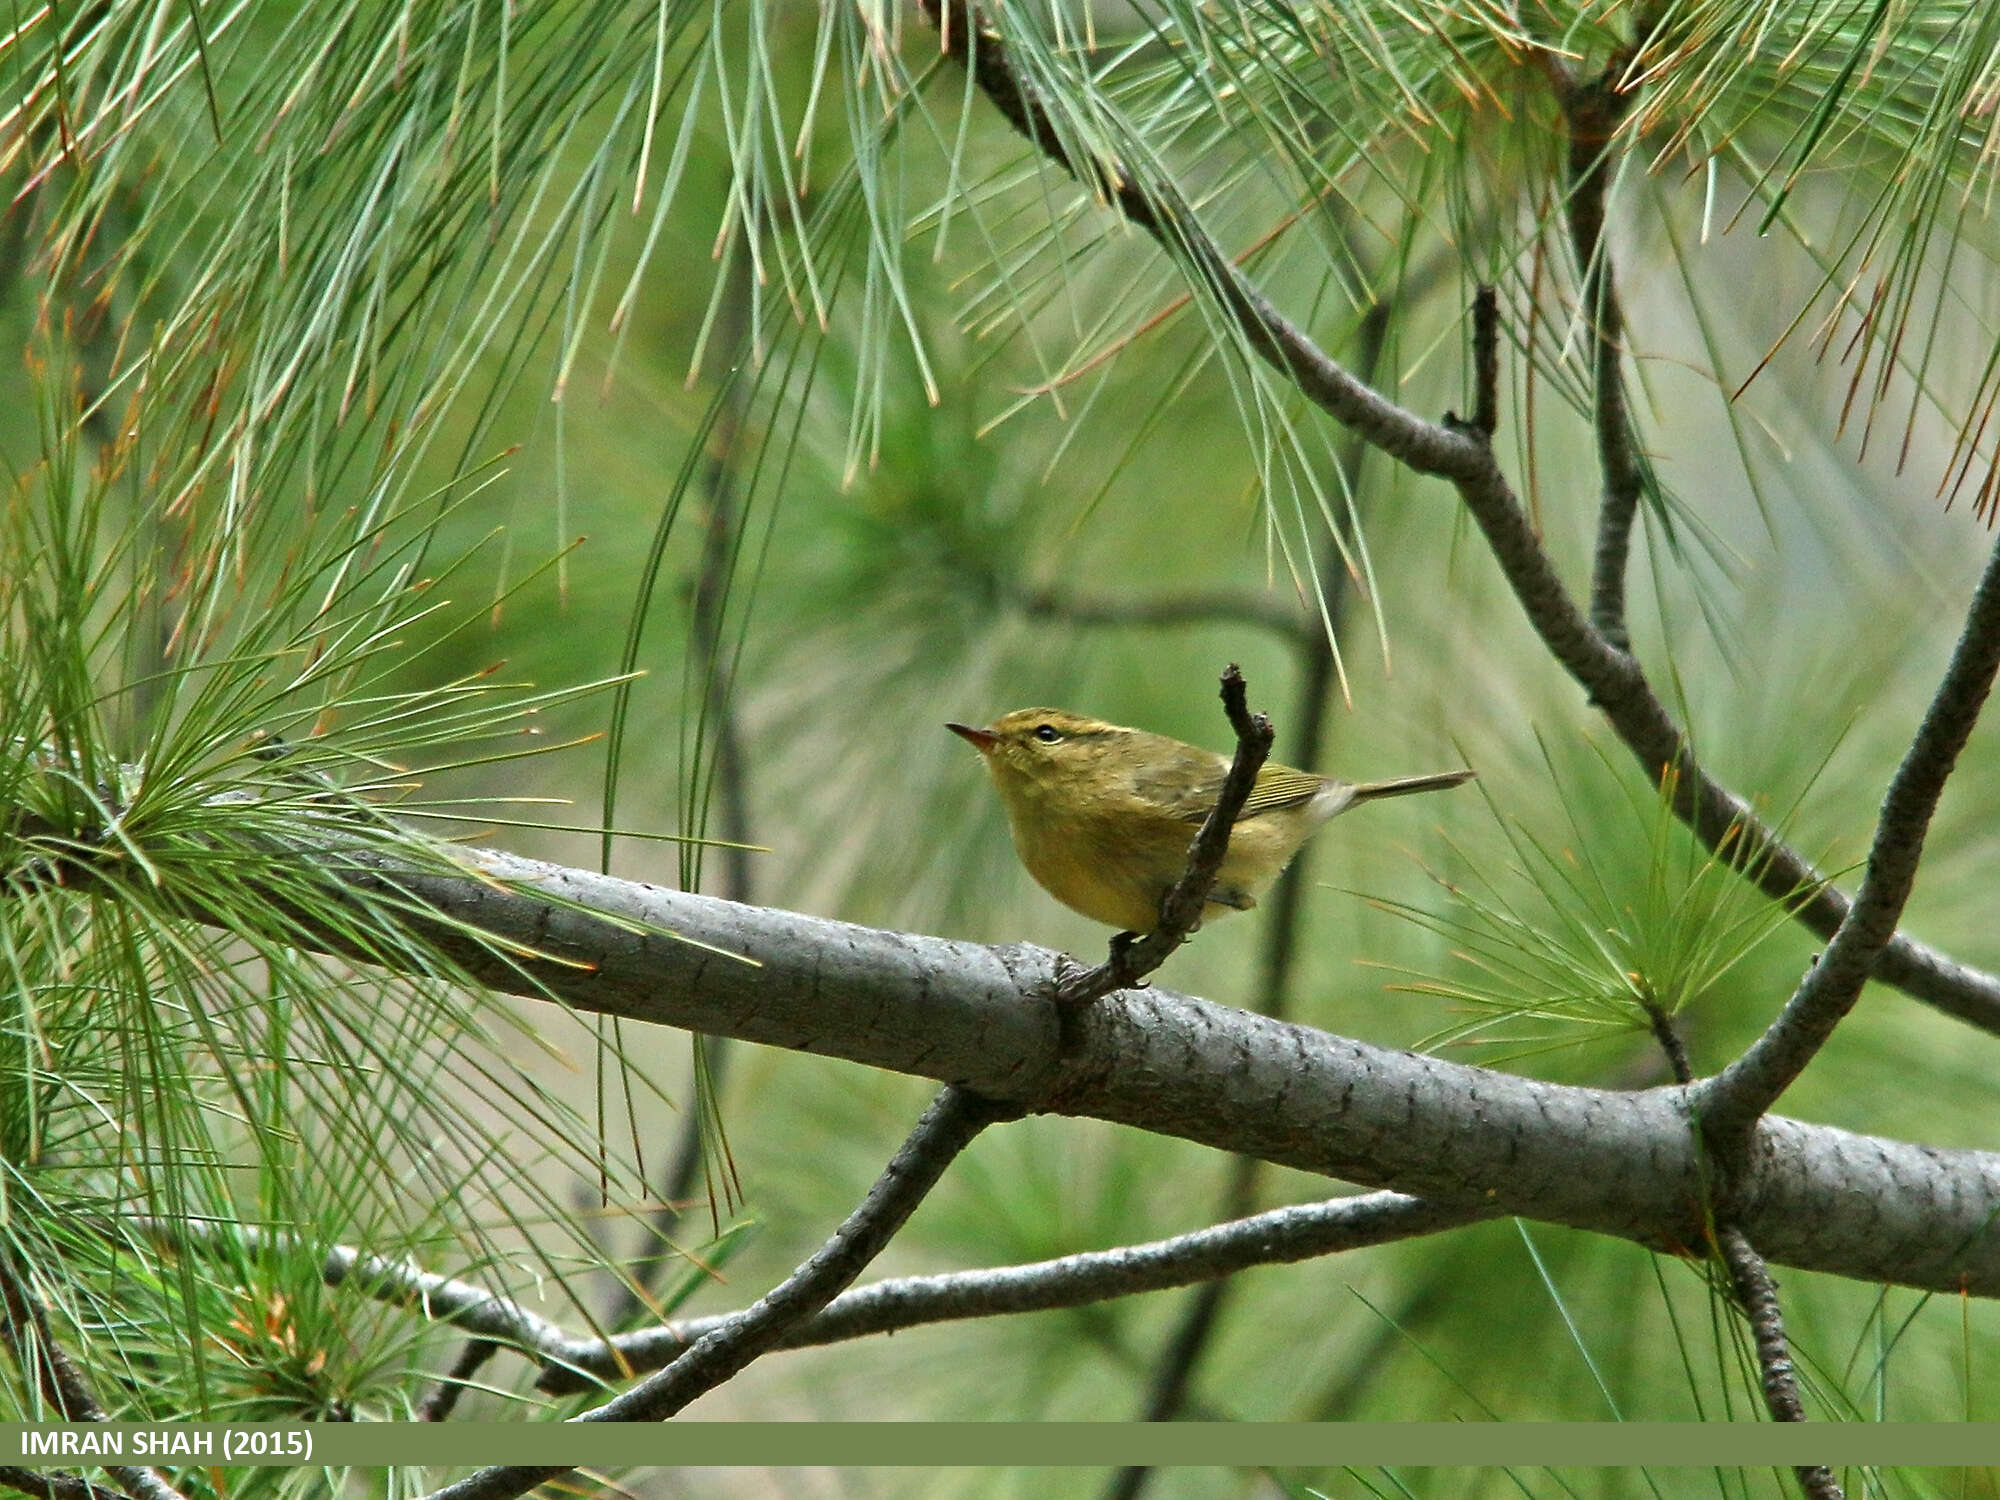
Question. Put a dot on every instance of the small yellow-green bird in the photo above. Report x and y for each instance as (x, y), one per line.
(1103, 815)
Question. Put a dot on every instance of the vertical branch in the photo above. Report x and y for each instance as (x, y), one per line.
(1485, 362)
(722, 520)
(1757, 1293)
(1668, 1038)
(1167, 1390)
(1594, 111)
(1733, 1101)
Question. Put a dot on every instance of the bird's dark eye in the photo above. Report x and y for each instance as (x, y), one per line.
(1048, 734)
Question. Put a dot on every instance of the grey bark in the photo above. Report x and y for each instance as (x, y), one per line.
(966, 1013)
(574, 1362)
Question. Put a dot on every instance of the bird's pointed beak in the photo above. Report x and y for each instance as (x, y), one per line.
(980, 739)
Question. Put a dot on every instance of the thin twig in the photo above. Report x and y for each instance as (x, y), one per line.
(1278, 1237)
(1668, 1038)
(1593, 111)
(442, 1398)
(24, 1326)
(1130, 959)
(954, 1118)
(570, 1362)
(1757, 1294)
(46, 1484)
(1485, 361)
(1462, 455)
(1732, 1101)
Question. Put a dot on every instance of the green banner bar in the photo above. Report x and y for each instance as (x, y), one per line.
(1288, 1445)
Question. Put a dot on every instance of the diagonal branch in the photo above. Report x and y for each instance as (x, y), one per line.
(1752, 1084)
(1427, 447)
(24, 1327)
(1168, 1388)
(1722, 820)
(1132, 960)
(954, 1118)
(1461, 454)
(47, 1485)
(442, 1399)
(571, 1362)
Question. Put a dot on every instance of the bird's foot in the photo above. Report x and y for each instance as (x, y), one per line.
(1121, 945)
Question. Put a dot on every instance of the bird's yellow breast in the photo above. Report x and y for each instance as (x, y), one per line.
(1115, 864)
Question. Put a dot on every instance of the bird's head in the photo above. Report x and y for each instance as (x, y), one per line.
(1049, 749)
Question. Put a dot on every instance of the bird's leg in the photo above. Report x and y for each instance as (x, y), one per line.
(1121, 944)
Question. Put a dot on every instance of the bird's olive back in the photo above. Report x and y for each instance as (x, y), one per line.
(1094, 762)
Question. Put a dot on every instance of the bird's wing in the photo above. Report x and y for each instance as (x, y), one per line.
(1279, 786)
(1189, 787)
(1178, 780)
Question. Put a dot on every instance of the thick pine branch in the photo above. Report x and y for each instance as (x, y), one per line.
(984, 1017)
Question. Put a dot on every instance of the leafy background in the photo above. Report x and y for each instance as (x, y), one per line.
(431, 310)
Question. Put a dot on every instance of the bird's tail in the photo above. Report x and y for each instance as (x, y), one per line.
(1404, 785)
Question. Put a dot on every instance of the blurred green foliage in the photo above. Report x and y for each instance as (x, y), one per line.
(419, 267)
